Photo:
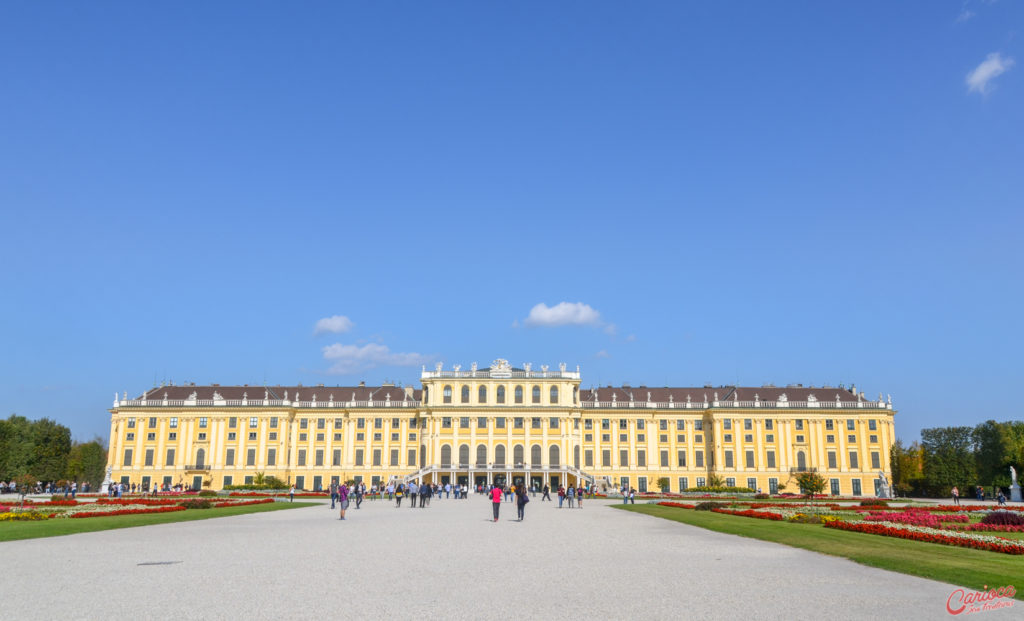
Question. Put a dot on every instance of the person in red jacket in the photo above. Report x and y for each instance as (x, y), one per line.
(496, 501)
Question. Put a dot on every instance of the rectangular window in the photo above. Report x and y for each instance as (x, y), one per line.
(272, 436)
(698, 459)
(588, 437)
(623, 424)
(873, 439)
(376, 457)
(232, 422)
(681, 459)
(605, 423)
(606, 458)
(872, 425)
(360, 423)
(684, 484)
(641, 437)
(855, 483)
(770, 459)
(852, 439)
(664, 459)
(727, 437)
(769, 437)
(319, 456)
(752, 483)
(149, 457)
(302, 457)
(748, 437)
(273, 422)
(412, 457)
(830, 439)
(202, 436)
(481, 422)
(337, 423)
(799, 438)
(229, 457)
(131, 423)
(170, 457)
(377, 437)
(394, 437)
(641, 459)
(553, 423)
(680, 424)
(464, 422)
(336, 457)
(250, 457)
(623, 437)
(832, 459)
(232, 436)
(378, 423)
(305, 436)
(174, 422)
(748, 424)
(728, 459)
(254, 422)
(663, 437)
(412, 437)
(698, 437)
(360, 437)
(640, 424)
(535, 422)
(834, 484)
(700, 481)
(798, 424)
(769, 424)
(337, 437)
(446, 422)
(876, 460)
(606, 437)
(750, 459)
(681, 437)
(730, 481)
(271, 457)
(829, 426)
(773, 486)
(227, 481)
(853, 459)
(588, 424)
(499, 422)
(394, 457)
(202, 422)
(359, 457)
(247, 480)
(588, 458)
(150, 437)
(300, 482)
(850, 425)
(321, 423)
(623, 458)
(518, 422)
(698, 425)
(152, 421)
(663, 424)
(127, 458)
(252, 435)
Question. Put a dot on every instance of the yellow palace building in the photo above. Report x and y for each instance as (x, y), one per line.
(503, 424)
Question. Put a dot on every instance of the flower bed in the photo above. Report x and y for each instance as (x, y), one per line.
(87, 514)
(761, 515)
(242, 503)
(677, 505)
(149, 502)
(930, 535)
(993, 528)
(23, 516)
(281, 493)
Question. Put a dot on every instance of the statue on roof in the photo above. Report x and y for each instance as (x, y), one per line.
(193, 396)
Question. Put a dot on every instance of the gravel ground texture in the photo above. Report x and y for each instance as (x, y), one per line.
(448, 561)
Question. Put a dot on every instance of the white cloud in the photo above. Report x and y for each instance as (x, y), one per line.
(602, 354)
(346, 359)
(563, 314)
(334, 325)
(611, 329)
(993, 66)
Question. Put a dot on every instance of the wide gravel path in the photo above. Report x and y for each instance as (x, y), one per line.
(450, 561)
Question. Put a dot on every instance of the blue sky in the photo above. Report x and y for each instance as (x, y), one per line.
(753, 193)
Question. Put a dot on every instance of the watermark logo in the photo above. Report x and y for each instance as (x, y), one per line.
(961, 602)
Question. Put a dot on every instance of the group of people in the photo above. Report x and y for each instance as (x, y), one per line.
(519, 492)
(68, 489)
(979, 495)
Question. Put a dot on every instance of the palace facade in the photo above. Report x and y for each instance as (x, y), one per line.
(503, 424)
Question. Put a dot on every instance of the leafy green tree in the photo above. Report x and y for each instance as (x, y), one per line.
(948, 459)
(51, 445)
(907, 473)
(663, 484)
(810, 483)
(87, 462)
(15, 446)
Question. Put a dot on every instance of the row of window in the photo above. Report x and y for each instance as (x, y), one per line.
(499, 394)
(851, 424)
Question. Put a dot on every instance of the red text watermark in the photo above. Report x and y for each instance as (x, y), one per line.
(962, 602)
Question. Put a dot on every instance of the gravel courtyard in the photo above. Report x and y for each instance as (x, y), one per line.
(449, 561)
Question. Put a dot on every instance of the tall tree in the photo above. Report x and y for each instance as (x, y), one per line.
(907, 473)
(948, 459)
(87, 462)
(51, 445)
(16, 445)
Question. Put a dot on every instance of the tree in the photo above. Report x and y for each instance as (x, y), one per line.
(810, 483)
(907, 474)
(51, 445)
(948, 459)
(663, 484)
(87, 462)
(15, 446)
(716, 481)
(997, 446)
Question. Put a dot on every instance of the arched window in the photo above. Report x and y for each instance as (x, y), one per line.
(423, 456)
(446, 456)
(536, 394)
(482, 394)
(553, 455)
(500, 394)
(517, 454)
(499, 455)
(200, 458)
(464, 455)
(481, 455)
(535, 455)
(465, 394)
(801, 461)
(447, 394)
(576, 456)
(519, 394)
(554, 394)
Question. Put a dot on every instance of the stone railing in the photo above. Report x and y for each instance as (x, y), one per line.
(260, 403)
(703, 405)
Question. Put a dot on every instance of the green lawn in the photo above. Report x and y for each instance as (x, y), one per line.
(11, 531)
(960, 566)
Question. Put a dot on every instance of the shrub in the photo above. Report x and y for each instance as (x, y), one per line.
(196, 503)
(762, 496)
(874, 502)
(207, 493)
(1003, 518)
(56, 497)
(708, 506)
(812, 518)
(720, 489)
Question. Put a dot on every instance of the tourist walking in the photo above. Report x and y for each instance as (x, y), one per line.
(561, 496)
(570, 495)
(342, 500)
(956, 495)
(579, 497)
(547, 493)
(399, 492)
(291, 494)
(496, 501)
(522, 497)
(334, 492)
(413, 490)
(425, 493)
